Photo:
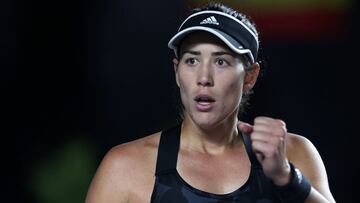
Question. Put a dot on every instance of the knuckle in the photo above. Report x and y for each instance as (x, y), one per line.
(261, 119)
(257, 128)
(258, 119)
(280, 132)
(256, 135)
(280, 122)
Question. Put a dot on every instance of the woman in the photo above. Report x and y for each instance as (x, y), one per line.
(211, 157)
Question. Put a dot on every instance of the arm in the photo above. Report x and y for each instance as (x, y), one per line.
(274, 147)
(105, 187)
(304, 155)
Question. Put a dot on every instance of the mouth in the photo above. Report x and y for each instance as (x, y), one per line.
(204, 99)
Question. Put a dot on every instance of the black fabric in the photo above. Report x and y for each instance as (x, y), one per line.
(169, 145)
(250, 152)
(297, 190)
(171, 188)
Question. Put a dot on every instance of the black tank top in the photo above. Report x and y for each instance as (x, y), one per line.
(171, 188)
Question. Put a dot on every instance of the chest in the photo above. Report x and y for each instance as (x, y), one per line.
(218, 175)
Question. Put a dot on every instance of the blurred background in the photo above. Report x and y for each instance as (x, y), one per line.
(79, 77)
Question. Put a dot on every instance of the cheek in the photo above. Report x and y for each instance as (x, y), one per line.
(236, 90)
(233, 90)
(184, 85)
(182, 79)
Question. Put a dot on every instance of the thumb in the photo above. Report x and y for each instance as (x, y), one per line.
(245, 127)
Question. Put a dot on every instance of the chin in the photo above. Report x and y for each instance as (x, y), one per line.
(211, 120)
(206, 122)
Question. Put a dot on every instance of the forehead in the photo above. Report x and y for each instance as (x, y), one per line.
(200, 37)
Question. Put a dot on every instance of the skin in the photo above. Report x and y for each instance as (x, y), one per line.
(211, 137)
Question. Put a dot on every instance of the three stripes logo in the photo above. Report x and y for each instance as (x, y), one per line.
(209, 20)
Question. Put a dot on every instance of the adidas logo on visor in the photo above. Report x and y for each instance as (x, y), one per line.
(209, 20)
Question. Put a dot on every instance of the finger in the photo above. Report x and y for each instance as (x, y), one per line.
(257, 148)
(245, 127)
(262, 136)
(262, 120)
(260, 157)
(266, 149)
(269, 121)
(275, 141)
(277, 131)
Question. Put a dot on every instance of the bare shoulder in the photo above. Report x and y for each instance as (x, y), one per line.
(135, 152)
(301, 152)
(122, 168)
(297, 143)
(304, 155)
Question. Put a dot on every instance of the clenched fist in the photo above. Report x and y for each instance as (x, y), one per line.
(268, 142)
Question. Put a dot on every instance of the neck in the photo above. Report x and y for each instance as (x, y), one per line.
(213, 140)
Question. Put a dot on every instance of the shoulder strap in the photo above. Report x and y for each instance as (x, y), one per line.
(250, 152)
(168, 149)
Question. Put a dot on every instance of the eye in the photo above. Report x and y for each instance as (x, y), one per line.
(191, 61)
(222, 62)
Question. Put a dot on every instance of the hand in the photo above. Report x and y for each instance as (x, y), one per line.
(268, 142)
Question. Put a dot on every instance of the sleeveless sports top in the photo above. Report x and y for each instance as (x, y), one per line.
(171, 188)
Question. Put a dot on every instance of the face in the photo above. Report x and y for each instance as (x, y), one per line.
(211, 79)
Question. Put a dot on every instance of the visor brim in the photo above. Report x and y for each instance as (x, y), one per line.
(227, 39)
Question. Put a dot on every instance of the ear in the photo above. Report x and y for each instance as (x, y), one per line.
(251, 76)
(176, 65)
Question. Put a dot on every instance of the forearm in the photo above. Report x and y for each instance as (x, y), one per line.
(298, 188)
(316, 197)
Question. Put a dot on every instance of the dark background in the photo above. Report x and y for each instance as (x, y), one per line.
(78, 77)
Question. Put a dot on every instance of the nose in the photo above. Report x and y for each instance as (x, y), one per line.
(205, 76)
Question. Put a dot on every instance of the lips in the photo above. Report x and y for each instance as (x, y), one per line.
(204, 98)
(204, 102)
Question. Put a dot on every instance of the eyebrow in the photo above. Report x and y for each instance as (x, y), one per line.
(190, 52)
(218, 53)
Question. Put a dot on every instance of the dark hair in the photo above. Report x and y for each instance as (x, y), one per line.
(248, 65)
